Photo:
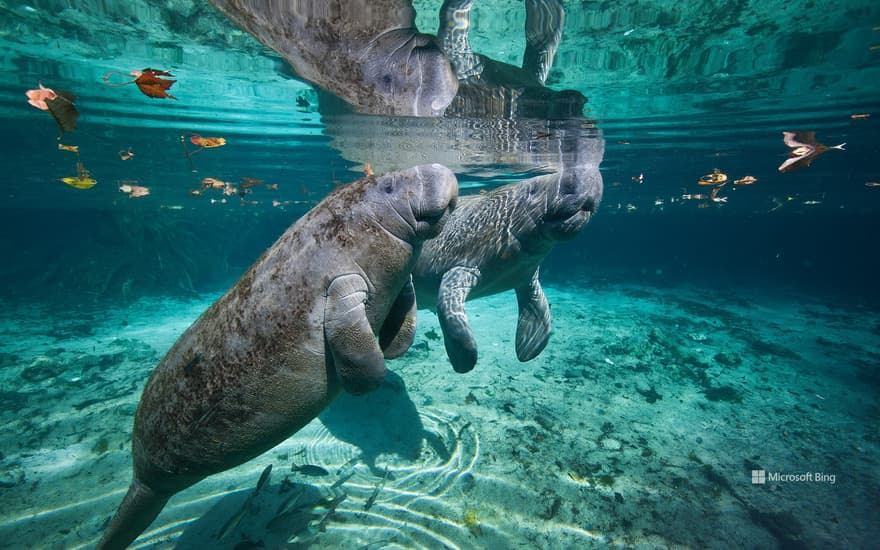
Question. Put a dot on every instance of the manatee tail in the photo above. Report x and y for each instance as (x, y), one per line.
(139, 508)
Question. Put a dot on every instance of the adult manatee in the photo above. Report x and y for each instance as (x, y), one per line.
(367, 52)
(319, 311)
(495, 242)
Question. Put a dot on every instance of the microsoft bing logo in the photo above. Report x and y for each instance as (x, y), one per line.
(761, 477)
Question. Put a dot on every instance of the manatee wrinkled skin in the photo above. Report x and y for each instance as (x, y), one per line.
(496, 242)
(367, 52)
(318, 312)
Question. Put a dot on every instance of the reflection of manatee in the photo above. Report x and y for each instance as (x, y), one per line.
(274, 350)
(491, 88)
(367, 52)
(495, 242)
(471, 146)
(382, 422)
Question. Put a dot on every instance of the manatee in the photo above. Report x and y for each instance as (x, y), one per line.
(504, 122)
(367, 52)
(495, 242)
(319, 311)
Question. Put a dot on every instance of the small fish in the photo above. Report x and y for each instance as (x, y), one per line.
(860, 116)
(640, 179)
(287, 510)
(71, 148)
(349, 464)
(125, 155)
(309, 470)
(236, 518)
(372, 499)
(745, 180)
(264, 477)
(872, 184)
(379, 544)
(342, 480)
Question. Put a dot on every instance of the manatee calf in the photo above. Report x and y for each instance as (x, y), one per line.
(367, 52)
(319, 311)
(496, 242)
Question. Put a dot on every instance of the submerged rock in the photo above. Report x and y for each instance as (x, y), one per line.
(42, 368)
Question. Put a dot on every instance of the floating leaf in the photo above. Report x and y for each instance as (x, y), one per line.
(80, 182)
(62, 110)
(38, 97)
(207, 142)
(804, 150)
(149, 83)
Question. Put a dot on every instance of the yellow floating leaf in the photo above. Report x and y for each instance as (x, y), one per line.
(80, 182)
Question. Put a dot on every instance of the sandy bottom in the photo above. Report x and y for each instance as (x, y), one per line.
(640, 426)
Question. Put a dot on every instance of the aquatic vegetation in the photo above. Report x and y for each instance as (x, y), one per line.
(723, 393)
(727, 358)
(650, 394)
(472, 522)
(43, 368)
(101, 446)
(762, 347)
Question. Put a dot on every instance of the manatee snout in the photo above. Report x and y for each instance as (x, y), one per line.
(580, 192)
(436, 195)
(438, 83)
(410, 73)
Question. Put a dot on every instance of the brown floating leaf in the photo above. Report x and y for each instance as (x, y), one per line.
(149, 83)
(804, 150)
(62, 110)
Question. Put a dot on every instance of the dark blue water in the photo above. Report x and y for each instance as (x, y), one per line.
(694, 341)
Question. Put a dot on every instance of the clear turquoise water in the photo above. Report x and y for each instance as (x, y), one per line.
(676, 89)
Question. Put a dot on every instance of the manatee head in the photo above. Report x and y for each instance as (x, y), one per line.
(571, 202)
(406, 73)
(414, 204)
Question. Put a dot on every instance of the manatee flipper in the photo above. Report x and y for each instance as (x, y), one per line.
(399, 329)
(139, 508)
(357, 359)
(455, 25)
(533, 326)
(544, 21)
(455, 286)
